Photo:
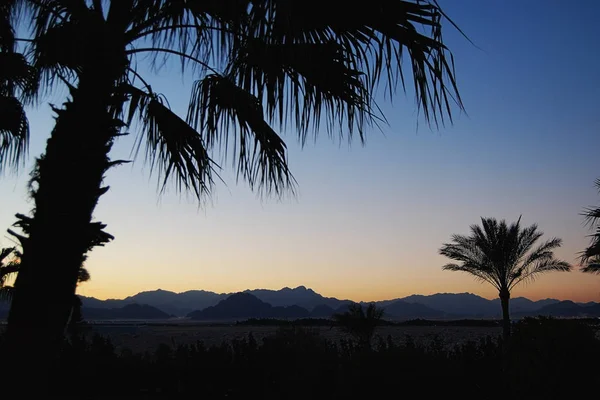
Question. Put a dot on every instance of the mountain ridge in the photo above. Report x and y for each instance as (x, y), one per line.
(438, 305)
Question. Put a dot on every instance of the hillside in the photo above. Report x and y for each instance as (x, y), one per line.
(129, 311)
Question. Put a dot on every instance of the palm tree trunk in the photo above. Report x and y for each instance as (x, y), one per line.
(504, 301)
(68, 179)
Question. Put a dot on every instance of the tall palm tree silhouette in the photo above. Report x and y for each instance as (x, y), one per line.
(503, 256)
(257, 63)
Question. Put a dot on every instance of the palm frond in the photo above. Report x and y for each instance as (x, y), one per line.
(593, 266)
(4, 253)
(541, 266)
(14, 132)
(219, 108)
(16, 77)
(480, 274)
(8, 270)
(592, 219)
(173, 147)
(593, 250)
(377, 36)
(311, 82)
(8, 10)
(59, 51)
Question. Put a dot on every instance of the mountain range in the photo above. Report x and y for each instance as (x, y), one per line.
(303, 302)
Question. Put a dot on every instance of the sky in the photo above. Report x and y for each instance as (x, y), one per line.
(367, 221)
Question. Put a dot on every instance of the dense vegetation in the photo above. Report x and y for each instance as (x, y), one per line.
(545, 358)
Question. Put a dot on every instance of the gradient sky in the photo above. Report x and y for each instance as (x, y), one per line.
(368, 221)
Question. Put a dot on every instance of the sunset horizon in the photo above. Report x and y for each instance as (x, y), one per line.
(367, 222)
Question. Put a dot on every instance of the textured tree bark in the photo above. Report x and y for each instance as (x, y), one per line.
(67, 185)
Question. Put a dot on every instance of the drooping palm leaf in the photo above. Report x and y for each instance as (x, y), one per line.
(16, 77)
(220, 108)
(377, 35)
(14, 132)
(311, 82)
(173, 146)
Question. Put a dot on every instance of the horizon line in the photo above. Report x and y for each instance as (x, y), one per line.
(321, 294)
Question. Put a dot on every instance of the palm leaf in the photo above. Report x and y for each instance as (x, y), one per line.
(14, 132)
(593, 266)
(16, 76)
(4, 253)
(173, 147)
(316, 80)
(376, 35)
(591, 254)
(219, 108)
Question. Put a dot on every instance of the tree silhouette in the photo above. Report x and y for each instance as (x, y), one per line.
(257, 63)
(503, 256)
(590, 257)
(360, 322)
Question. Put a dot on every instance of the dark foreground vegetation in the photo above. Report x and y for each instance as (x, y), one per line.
(413, 322)
(545, 358)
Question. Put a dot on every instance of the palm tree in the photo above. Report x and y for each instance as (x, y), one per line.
(590, 257)
(360, 322)
(257, 63)
(503, 256)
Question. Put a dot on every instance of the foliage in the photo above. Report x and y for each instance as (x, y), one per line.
(549, 359)
(590, 258)
(17, 77)
(256, 65)
(360, 322)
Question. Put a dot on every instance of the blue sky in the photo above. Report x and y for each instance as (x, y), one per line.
(367, 221)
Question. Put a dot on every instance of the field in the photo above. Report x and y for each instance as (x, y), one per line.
(143, 337)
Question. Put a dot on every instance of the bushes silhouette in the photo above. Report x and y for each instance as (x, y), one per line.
(545, 358)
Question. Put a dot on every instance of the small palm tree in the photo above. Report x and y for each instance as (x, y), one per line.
(503, 255)
(590, 258)
(360, 322)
